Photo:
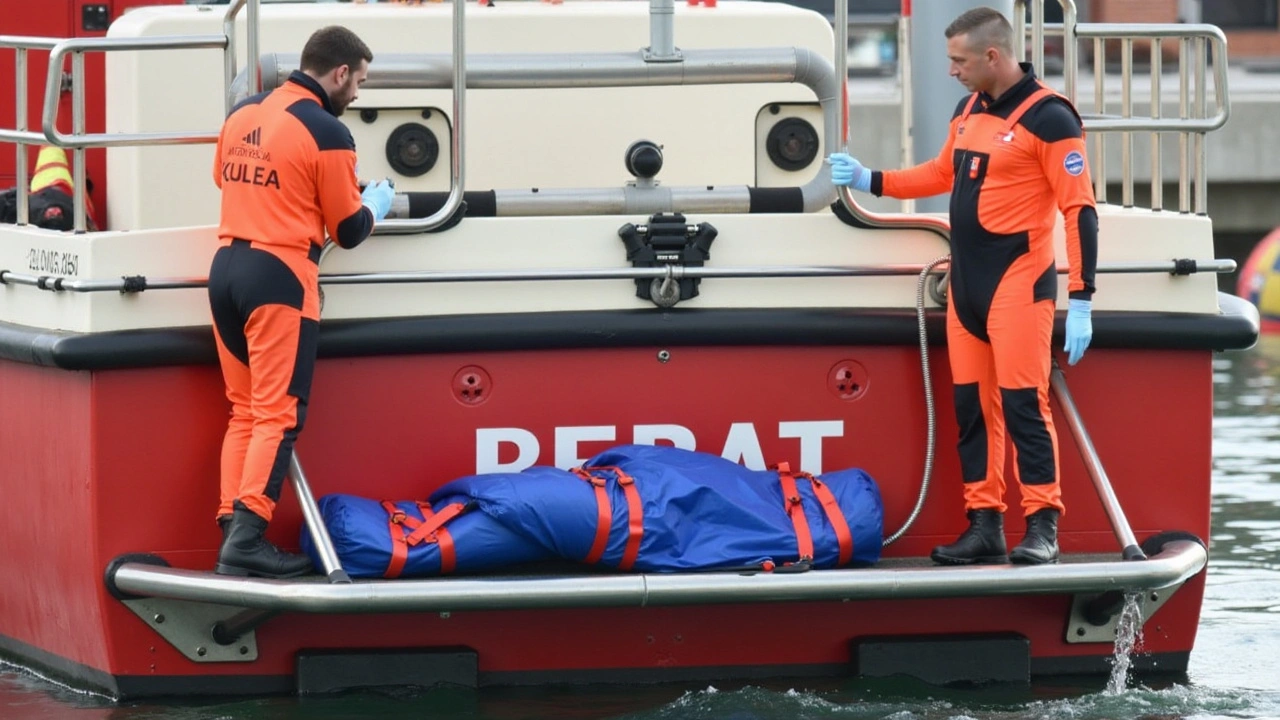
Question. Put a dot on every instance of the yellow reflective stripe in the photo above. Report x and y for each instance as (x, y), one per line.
(51, 167)
(44, 179)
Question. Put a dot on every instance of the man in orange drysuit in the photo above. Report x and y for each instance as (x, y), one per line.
(1015, 154)
(287, 169)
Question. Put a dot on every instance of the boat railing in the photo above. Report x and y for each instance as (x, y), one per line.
(20, 136)
(1196, 44)
(660, 64)
(845, 196)
(79, 140)
(807, 68)
(663, 276)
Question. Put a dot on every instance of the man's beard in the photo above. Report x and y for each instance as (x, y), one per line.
(341, 99)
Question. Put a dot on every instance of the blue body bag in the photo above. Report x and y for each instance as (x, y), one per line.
(632, 508)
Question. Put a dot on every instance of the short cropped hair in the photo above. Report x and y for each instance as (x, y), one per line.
(985, 27)
(331, 47)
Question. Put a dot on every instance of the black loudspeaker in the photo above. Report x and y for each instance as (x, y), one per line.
(789, 146)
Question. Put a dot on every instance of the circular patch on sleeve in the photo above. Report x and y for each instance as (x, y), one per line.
(1074, 162)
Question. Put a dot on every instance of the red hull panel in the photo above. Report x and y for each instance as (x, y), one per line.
(128, 463)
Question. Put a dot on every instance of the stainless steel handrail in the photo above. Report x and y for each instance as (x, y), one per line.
(844, 194)
(906, 117)
(1129, 547)
(23, 210)
(578, 70)
(329, 561)
(229, 55)
(1037, 31)
(28, 42)
(1037, 36)
(20, 136)
(1192, 123)
(253, 44)
(58, 283)
(1154, 32)
(617, 69)
(1178, 561)
(1224, 107)
(78, 46)
(1195, 42)
(457, 165)
(1112, 31)
(79, 139)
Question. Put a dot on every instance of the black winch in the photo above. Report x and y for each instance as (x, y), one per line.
(667, 240)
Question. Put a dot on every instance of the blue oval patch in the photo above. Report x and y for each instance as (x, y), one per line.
(1074, 162)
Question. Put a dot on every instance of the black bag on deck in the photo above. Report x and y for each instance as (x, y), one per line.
(9, 206)
(50, 208)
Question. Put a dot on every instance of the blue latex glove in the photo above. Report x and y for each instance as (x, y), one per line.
(377, 197)
(846, 170)
(1079, 329)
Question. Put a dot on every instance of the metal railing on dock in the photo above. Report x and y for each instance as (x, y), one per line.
(1196, 44)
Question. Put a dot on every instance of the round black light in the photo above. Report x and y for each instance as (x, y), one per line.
(792, 144)
(643, 159)
(412, 150)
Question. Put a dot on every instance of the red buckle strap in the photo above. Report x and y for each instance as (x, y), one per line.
(399, 550)
(635, 519)
(835, 516)
(795, 510)
(429, 529)
(604, 514)
(830, 506)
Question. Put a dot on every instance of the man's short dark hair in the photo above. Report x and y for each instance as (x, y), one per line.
(332, 47)
(985, 27)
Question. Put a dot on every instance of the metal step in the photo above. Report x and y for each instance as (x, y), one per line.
(1177, 561)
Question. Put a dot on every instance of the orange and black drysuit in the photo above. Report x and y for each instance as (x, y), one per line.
(1009, 163)
(287, 170)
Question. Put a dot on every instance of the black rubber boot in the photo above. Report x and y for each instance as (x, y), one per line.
(981, 544)
(246, 552)
(1040, 544)
(224, 521)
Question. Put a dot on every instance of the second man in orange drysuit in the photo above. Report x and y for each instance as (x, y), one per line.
(1015, 156)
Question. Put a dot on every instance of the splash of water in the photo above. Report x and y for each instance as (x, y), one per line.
(1128, 637)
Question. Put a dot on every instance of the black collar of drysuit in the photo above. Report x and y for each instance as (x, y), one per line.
(1012, 97)
(308, 82)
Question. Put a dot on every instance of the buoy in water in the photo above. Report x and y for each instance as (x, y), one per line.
(1259, 281)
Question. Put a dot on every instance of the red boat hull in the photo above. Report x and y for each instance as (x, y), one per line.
(108, 462)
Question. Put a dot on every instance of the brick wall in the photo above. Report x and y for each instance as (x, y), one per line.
(1253, 44)
(1241, 44)
(1119, 11)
